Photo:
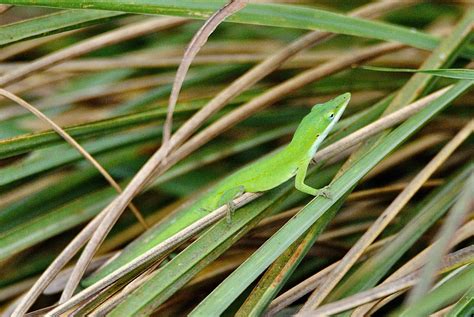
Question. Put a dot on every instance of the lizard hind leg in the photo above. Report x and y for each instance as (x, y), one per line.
(227, 199)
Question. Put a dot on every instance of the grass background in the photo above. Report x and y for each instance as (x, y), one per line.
(112, 96)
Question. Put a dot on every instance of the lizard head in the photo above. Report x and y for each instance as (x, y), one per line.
(314, 128)
(332, 110)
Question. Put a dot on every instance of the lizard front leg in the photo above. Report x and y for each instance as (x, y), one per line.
(302, 187)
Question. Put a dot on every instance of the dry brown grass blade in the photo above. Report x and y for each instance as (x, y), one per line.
(463, 206)
(22, 47)
(385, 218)
(69, 139)
(309, 284)
(55, 267)
(198, 41)
(109, 38)
(464, 233)
(393, 188)
(454, 259)
(163, 60)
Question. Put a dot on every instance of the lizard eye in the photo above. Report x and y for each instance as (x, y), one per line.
(331, 116)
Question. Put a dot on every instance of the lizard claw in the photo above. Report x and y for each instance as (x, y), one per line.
(324, 192)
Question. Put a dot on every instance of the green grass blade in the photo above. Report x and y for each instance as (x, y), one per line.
(61, 155)
(52, 223)
(430, 209)
(231, 288)
(261, 14)
(281, 270)
(51, 24)
(455, 73)
(443, 294)
(465, 306)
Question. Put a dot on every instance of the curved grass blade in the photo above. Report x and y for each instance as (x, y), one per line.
(197, 42)
(231, 288)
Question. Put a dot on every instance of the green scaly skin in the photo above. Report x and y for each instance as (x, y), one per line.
(262, 175)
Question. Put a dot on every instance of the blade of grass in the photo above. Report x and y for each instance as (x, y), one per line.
(452, 261)
(91, 44)
(280, 271)
(431, 209)
(443, 294)
(198, 41)
(415, 263)
(464, 307)
(306, 286)
(455, 73)
(52, 23)
(463, 206)
(78, 147)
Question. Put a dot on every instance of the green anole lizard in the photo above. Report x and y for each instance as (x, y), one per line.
(263, 175)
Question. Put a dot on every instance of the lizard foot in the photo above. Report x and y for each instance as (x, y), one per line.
(324, 192)
(230, 211)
